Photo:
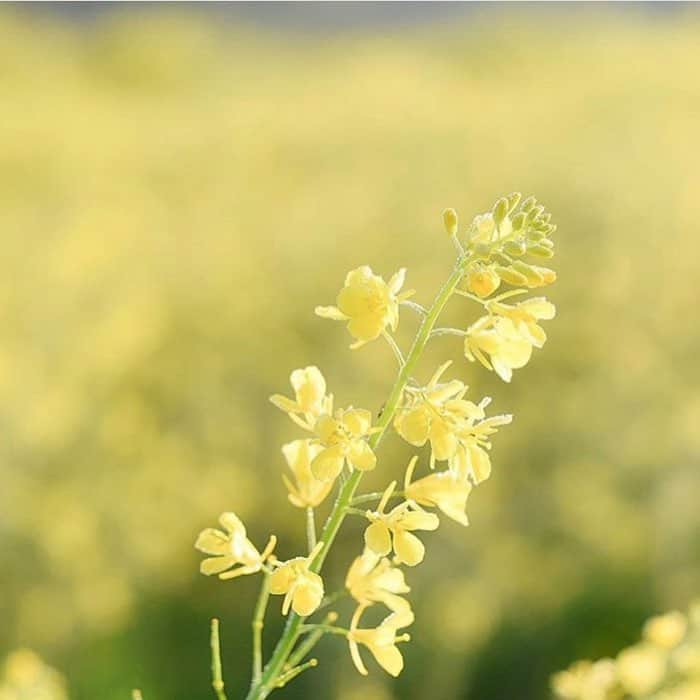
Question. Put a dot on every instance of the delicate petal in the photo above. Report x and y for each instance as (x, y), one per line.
(378, 539)
(409, 549)
(329, 463)
(397, 280)
(389, 658)
(331, 312)
(215, 565)
(420, 520)
(361, 455)
(310, 387)
(479, 463)
(358, 421)
(413, 425)
(211, 541)
(281, 579)
(308, 594)
(366, 327)
(232, 523)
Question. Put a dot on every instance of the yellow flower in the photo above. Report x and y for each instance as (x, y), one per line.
(586, 680)
(302, 589)
(372, 579)
(446, 490)
(457, 428)
(393, 529)
(306, 490)
(525, 316)
(641, 668)
(667, 630)
(498, 337)
(482, 280)
(342, 438)
(310, 397)
(230, 548)
(368, 304)
(381, 641)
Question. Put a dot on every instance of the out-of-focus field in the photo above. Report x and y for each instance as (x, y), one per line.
(177, 196)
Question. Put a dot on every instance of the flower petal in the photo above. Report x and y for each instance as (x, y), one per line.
(378, 539)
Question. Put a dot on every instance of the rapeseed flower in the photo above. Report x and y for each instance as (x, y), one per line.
(306, 490)
(368, 303)
(456, 428)
(499, 338)
(302, 588)
(525, 316)
(373, 579)
(229, 548)
(446, 490)
(381, 641)
(666, 631)
(310, 399)
(482, 280)
(342, 438)
(393, 530)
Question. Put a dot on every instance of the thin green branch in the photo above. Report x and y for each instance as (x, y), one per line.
(375, 496)
(309, 642)
(448, 331)
(421, 310)
(310, 528)
(217, 679)
(326, 629)
(258, 624)
(395, 348)
(294, 672)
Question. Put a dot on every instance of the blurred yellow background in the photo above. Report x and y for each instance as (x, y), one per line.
(177, 193)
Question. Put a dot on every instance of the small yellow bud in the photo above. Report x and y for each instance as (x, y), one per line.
(541, 251)
(513, 199)
(511, 276)
(514, 248)
(500, 210)
(531, 273)
(451, 221)
(528, 204)
(482, 281)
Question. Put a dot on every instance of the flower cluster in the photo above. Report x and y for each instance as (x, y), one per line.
(341, 444)
(664, 665)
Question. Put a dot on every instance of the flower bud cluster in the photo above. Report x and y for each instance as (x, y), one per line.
(340, 443)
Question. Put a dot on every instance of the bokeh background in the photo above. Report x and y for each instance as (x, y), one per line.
(180, 186)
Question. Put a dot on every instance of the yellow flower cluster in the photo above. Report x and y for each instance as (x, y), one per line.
(664, 665)
(341, 444)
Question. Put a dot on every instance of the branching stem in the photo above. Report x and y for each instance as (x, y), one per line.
(285, 645)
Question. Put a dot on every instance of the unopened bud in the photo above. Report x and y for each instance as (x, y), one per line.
(534, 279)
(482, 281)
(449, 218)
(511, 276)
(514, 248)
(548, 275)
(513, 199)
(541, 251)
(518, 221)
(500, 210)
(528, 203)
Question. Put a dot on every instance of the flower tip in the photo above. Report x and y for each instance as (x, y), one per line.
(451, 221)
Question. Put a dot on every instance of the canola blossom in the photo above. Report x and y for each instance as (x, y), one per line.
(663, 665)
(337, 446)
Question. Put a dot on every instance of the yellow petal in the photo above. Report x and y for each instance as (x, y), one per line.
(358, 421)
(378, 539)
(310, 387)
(419, 520)
(328, 463)
(331, 312)
(281, 579)
(413, 425)
(389, 658)
(215, 565)
(367, 327)
(361, 456)
(211, 541)
(479, 463)
(409, 549)
(442, 440)
(308, 594)
(232, 523)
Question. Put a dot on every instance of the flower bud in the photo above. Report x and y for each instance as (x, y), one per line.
(528, 204)
(500, 210)
(511, 276)
(482, 281)
(534, 278)
(541, 251)
(513, 199)
(514, 248)
(449, 218)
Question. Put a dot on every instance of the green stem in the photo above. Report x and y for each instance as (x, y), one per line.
(347, 491)
(217, 680)
(310, 528)
(376, 496)
(258, 624)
